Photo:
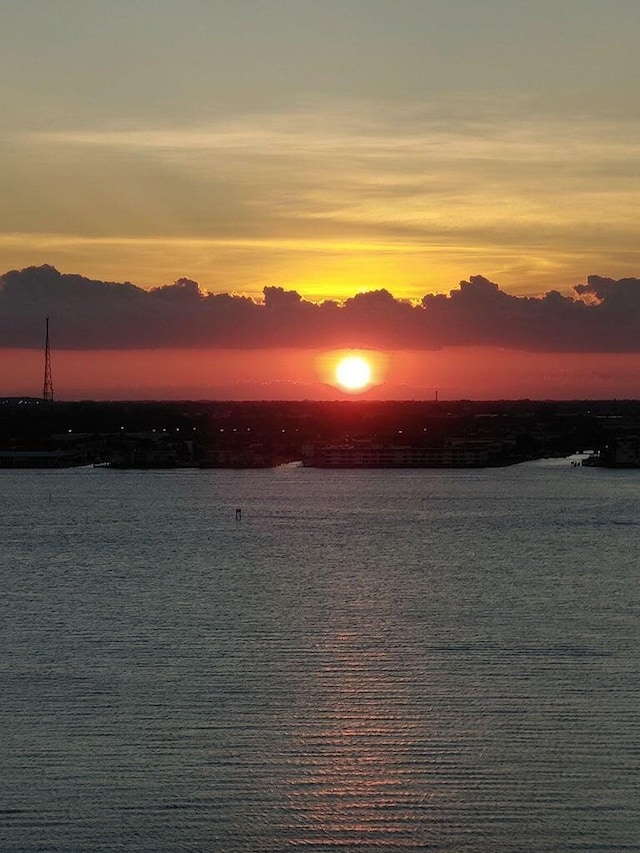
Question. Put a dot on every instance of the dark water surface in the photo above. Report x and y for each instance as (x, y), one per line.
(368, 660)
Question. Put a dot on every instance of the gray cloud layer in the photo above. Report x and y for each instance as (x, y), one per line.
(603, 315)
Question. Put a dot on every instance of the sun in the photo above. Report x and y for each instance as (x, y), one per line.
(353, 373)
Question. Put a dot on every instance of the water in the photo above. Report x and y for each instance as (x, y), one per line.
(369, 660)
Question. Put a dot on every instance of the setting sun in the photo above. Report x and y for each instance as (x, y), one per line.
(353, 373)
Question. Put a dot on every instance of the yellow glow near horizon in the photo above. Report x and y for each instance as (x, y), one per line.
(315, 269)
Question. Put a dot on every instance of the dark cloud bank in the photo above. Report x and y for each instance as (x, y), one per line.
(602, 316)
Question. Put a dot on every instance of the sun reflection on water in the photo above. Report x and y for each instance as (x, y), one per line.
(363, 776)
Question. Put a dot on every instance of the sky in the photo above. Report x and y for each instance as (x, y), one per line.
(308, 154)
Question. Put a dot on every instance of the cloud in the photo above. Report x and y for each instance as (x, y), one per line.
(602, 315)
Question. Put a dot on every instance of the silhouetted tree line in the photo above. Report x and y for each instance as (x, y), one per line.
(228, 432)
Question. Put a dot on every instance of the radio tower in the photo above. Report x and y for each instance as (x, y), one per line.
(47, 387)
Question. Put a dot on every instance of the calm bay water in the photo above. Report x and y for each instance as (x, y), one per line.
(368, 660)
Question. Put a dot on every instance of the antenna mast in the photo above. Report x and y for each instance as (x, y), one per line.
(47, 387)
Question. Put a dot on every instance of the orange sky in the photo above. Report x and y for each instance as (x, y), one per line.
(327, 147)
(456, 373)
(332, 148)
